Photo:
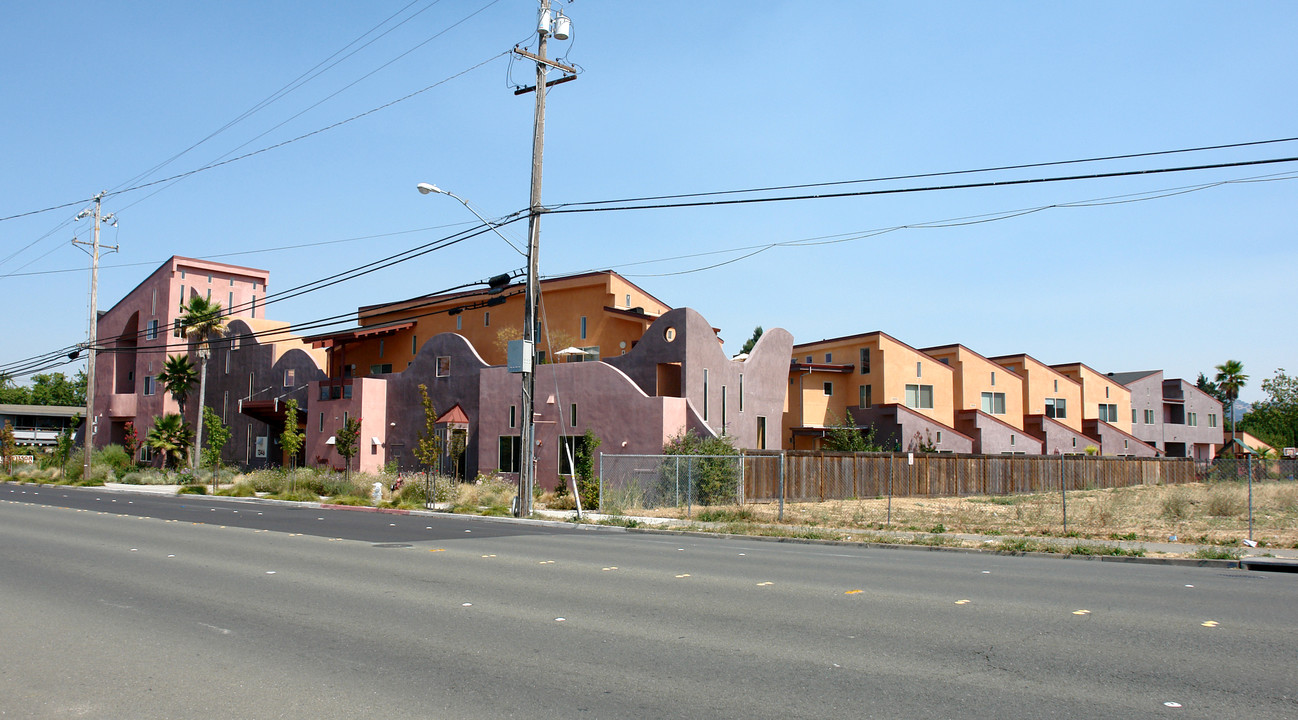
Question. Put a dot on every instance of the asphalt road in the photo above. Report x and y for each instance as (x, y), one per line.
(119, 605)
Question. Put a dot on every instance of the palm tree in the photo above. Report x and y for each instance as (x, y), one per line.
(178, 376)
(170, 437)
(202, 320)
(1230, 379)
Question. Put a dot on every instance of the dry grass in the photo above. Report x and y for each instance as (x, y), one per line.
(1194, 513)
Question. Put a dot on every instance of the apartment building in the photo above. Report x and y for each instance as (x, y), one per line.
(988, 401)
(1173, 415)
(905, 394)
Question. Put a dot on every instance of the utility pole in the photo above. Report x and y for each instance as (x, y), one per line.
(94, 327)
(546, 25)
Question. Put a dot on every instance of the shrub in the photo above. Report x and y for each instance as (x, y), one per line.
(488, 495)
(1176, 505)
(115, 457)
(192, 490)
(239, 489)
(1225, 502)
(713, 480)
(147, 476)
(296, 496)
(726, 515)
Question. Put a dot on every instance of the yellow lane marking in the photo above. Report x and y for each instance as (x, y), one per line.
(436, 549)
(1210, 623)
(853, 592)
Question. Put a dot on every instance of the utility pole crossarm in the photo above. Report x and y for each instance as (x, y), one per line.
(546, 61)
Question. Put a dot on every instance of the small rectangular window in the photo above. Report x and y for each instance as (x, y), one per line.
(510, 454)
(705, 392)
(1149, 417)
(919, 396)
(761, 433)
(829, 358)
(810, 359)
(829, 388)
(252, 305)
(414, 344)
(1056, 385)
(628, 301)
(513, 416)
(209, 294)
(153, 308)
(993, 378)
(1134, 411)
(1192, 419)
(486, 318)
(443, 366)
(583, 327)
(865, 401)
(148, 385)
(865, 361)
(459, 322)
(741, 392)
(290, 377)
(919, 369)
(175, 328)
(230, 305)
(380, 349)
(153, 329)
(572, 416)
(321, 422)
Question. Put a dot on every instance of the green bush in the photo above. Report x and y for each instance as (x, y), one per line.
(1176, 505)
(115, 457)
(192, 490)
(239, 489)
(296, 496)
(714, 480)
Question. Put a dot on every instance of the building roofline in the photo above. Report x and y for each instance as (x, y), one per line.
(434, 298)
(929, 351)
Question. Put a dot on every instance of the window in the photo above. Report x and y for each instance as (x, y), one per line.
(414, 344)
(153, 307)
(380, 349)
(829, 389)
(253, 305)
(919, 369)
(443, 366)
(705, 393)
(569, 447)
(513, 416)
(148, 385)
(511, 453)
(741, 392)
(583, 327)
(231, 282)
(1056, 408)
(290, 377)
(382, 369)
(459, 322)
(230, 305)
(761, 433)
(1108, 412)
(1149, 417)
(919, 396)
(1056, 386)
(227, 361)
(153, 329)
(176, 329)
(829, 357)
(810, 359)
(865, 361)
(864, 400)
(321, 418)
(939, 436)
(146, 453)
(182, 274)
(993, 378)
(486, 318)
(1192, 419)
(209, 294)
(1212, 420)
(572, 416)
(1106, 391)
(1134, 414)
(993, 403)
(1013, 438)
(723, 407)
(628, 300)
(209, 277)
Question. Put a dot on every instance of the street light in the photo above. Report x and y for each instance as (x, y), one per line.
(429, 189)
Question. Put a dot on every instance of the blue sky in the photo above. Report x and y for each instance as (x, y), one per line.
(683, 97)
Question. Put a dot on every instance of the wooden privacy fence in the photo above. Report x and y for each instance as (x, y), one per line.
(810, 476)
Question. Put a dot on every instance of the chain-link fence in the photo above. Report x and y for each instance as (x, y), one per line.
(647, 482)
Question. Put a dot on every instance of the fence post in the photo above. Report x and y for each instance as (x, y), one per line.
(889, 488)
(601, 483)
(1250, 497)
(1063, 492)
(689, 487)
(743, 477)
(781, 486)
(678, 481)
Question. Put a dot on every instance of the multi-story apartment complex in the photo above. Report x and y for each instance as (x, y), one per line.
(1172, 414)
(989, 402)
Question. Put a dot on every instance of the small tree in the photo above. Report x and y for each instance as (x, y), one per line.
(428, 447)
(1230, 380)
(130, 439)
(291, 439)
(63, 448)
(8, 447)
(457, 451)
(178, 377)
(714, 479)
(217, 437)
(584, 469)
(346, 439)
(170, 437)
(748, 346)
(846, 436)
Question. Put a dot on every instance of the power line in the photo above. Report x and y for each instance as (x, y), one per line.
(562, 209)
(944, 173)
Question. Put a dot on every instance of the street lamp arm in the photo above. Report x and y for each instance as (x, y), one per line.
(429, 188)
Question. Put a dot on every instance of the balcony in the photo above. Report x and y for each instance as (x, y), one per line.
(121, 405)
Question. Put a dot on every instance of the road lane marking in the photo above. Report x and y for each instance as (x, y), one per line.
(488, 556)
(683, 576)
(963, 602)
(612, 567)
(546, 562)
(1081, 612)
(1209, 623)
(853, 592)
(764, 584)
(436, 549)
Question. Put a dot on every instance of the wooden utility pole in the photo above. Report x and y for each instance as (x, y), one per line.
(91, 345)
